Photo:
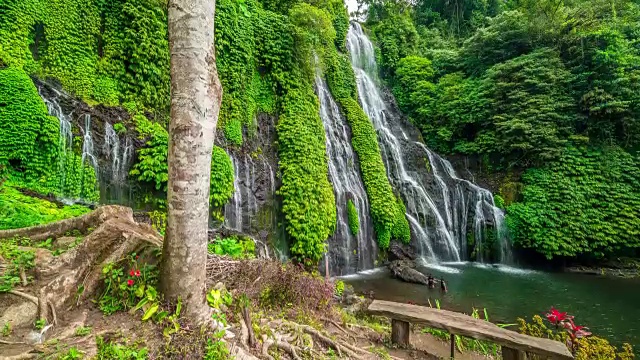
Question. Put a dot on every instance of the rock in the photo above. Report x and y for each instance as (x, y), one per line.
(398, 251)
(404, 270)
(355, 304)
(19, 315)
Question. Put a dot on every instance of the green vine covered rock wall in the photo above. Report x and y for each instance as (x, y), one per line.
(28, 135)
(116, 53)
(30, 143)
(548, 89)
(388, 220)
(221, 178)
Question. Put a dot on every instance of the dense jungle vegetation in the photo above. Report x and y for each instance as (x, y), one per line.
(115, 53)
(544, 93)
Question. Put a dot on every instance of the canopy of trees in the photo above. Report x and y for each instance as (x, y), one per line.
(544, 87)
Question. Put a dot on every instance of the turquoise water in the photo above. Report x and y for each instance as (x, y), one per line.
(609, 306)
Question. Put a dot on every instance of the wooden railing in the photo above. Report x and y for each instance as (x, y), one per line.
(515, 346)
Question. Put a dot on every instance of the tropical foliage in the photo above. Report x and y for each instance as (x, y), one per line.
(545, 88)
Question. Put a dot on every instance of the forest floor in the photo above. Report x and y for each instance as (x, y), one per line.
(79, 330)
(52, 303)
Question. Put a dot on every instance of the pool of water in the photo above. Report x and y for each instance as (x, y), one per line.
(609, 306)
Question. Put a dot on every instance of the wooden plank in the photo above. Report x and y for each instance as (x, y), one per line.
(400, 332)
(460, 324)
(513, 354)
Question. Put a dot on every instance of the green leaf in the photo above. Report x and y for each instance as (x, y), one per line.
(149, 313)
(140, 291)
(179, 306)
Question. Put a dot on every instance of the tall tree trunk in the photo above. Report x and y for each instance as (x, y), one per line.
(196, 95)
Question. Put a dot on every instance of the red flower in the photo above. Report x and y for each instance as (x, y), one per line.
(131, 273)
(130, 282)
(137, 273)
(137, 256)
(556, 317)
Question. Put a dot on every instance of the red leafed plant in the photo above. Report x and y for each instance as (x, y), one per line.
(558, 319)
(575, 331)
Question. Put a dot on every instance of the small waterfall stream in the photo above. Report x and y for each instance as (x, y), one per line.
(65, 139)
(87, 144)
(119, 151)
(107, 152)
(443, 209)
(348, 253)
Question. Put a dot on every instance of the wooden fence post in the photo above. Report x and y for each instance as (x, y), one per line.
(400, 332)
(513, 354)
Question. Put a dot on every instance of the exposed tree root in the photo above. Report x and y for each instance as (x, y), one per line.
(53, 313)
(59, 228)
(338, 327)
(12, 342)
(75, 275)
(340, 346)
(20, 357)
(244, 333)
(267, 343)
(31, 298)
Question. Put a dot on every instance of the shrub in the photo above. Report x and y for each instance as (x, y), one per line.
(281, 286)
(111, 350)
(16, 261)
(125, 286)
(354, 221)
(18, 210)
(583, 346)
(221, 178)
(235, 247)
(339, 288)
(216, 349)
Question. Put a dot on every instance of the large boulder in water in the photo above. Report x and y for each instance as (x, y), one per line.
(405, 270)
(399, 251)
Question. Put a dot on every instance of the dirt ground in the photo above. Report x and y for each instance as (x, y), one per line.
(129, 329)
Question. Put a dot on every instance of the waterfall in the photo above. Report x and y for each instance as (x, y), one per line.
(233, 210)
(114, 186)
(348, 253)
(442, 208)
(65, 138)
(87, 144)
(119, 152)
(254, 186)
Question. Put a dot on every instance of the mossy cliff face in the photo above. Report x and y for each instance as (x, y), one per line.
(109, 61)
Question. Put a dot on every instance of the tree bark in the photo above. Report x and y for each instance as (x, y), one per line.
(196, 95)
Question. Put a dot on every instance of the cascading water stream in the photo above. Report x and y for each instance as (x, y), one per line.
(119, 151)
(348, 253)
(233, 210)
(87, 144)
(439, 205)
(66, 136)
(249, 173)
